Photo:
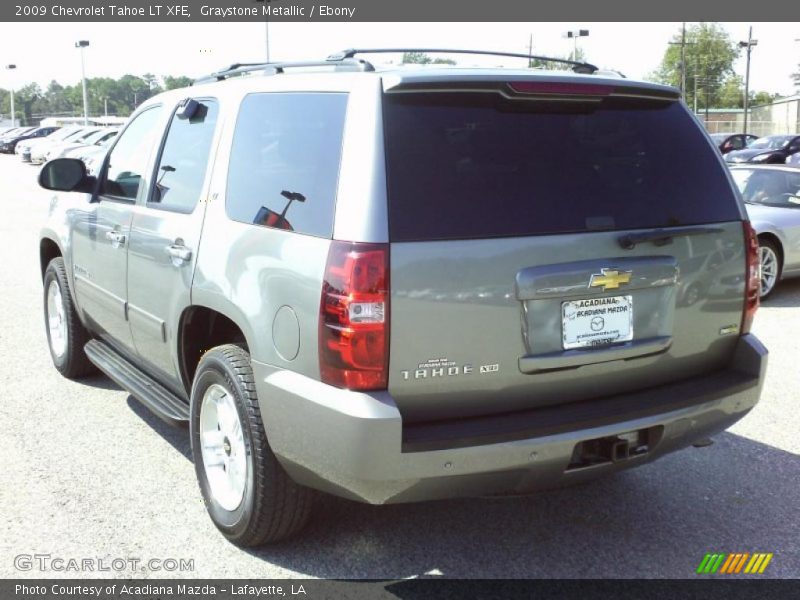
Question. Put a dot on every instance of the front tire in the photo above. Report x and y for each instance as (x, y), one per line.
(66, 335)
(248, 495)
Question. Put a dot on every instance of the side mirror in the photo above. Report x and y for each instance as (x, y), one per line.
(66, 175)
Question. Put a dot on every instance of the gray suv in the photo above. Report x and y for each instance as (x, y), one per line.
(406, 284)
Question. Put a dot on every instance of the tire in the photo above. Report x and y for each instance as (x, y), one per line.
(66, 335)
(769, 256)
(262, 504)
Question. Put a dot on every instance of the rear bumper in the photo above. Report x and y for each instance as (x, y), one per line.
(354, 444)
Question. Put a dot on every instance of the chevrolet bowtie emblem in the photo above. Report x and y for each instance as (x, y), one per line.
(609, 279)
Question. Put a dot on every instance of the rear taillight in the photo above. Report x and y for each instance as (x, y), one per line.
(753, 277)
(354, 316)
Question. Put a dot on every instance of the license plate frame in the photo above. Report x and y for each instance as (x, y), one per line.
(596, 322)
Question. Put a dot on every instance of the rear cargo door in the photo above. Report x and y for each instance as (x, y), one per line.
(553, 247)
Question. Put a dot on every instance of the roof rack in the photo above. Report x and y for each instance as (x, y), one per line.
(346, 61)
(274, 68)
(577, 66)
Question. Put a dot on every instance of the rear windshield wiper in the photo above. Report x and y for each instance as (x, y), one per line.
(662, 237)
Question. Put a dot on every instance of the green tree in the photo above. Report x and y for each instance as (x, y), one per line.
(580, 56)
(710, 54)
(24, 100)
(420, 58)
(759, 98)
(171, 83)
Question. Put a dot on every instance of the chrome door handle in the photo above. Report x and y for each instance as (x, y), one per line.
(116, 238)
(179, 253)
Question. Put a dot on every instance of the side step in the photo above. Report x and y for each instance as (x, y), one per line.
(166, 405)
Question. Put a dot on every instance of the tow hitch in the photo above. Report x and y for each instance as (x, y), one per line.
(615, 448)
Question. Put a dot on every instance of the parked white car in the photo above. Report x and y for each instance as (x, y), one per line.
(40, 151)
(94, 138)
(24, 148)
(92, 156)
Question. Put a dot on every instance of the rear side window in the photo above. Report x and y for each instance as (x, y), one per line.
(475, 165)
(284, 164)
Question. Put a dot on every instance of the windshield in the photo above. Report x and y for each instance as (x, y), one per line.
(84, 136)
(773, 142)
(97, 136)
(769, 187)
(61, 134)
(719, 137)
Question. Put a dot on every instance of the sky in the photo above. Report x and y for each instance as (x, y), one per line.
(45, 51)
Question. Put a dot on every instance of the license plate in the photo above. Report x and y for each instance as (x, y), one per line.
(597, 321)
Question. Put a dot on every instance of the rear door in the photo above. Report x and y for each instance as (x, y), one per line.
(165, 236)
(552, 247)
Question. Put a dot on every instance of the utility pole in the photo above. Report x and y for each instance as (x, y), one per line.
(749, 45)
(530, 50)
(13, 120)
(683, 62)
(83, 44)
(266, 37)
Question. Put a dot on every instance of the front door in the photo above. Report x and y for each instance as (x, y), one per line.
(165, 237)
(101, 233)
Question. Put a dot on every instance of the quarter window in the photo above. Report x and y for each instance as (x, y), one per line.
(284, 163)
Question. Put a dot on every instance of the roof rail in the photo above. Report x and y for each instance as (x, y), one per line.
(275, 68)
(577, 66)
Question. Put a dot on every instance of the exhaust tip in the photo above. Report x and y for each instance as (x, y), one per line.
(703, 443)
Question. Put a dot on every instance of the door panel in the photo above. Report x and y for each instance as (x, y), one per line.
(165, 236)
(99, 249)
(101, 233)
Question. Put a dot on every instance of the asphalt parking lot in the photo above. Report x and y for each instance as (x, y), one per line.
(90, 473)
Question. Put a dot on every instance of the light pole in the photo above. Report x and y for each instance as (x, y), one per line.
(11, 68)
(83, 44)
(749, 45)
(575, 34)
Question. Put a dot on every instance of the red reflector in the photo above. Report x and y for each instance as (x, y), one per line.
(555, 87)
(752, 277)
(354, 317)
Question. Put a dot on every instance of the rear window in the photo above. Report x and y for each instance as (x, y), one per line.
(476, 165)
(284, 163)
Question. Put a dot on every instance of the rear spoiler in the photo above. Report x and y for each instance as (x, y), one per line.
(516, 85)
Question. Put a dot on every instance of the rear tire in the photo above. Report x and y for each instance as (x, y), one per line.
(66, 335)
(248, 495)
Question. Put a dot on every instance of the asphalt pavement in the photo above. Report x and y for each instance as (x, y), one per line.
(88, 473)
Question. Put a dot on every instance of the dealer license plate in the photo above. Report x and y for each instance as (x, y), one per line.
(597, 321)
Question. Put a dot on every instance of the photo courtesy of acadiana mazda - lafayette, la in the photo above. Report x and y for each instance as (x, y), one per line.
(402, 284)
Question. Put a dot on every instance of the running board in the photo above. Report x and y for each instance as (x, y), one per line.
(164, 404)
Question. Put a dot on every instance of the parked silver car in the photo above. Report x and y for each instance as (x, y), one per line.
(772, 196)
(406, 284)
